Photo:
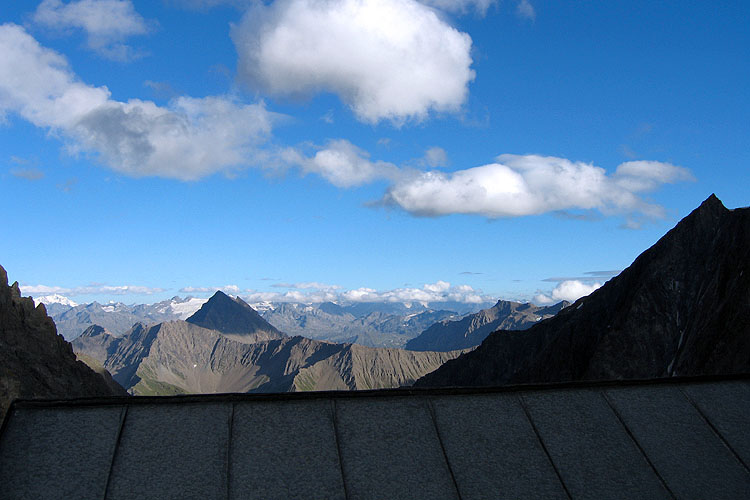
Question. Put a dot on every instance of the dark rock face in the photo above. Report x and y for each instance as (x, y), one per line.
(682, 308)
(471, 330)
(36, 362)
(233, 316)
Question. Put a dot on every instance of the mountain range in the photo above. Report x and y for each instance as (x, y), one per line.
(471, 330)
(369, 326)
(682, 308)
(118, 318)
(227, 347)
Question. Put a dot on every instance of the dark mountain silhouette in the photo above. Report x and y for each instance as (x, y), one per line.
(36, 362)
(233, 317)
(681, 308)
(472, 329)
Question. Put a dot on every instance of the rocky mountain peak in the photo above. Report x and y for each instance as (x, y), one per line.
(232, 316)
(679, 309)
(94, 331)
(331, 308)
(472, 329)
(36, 362)
(711, 204)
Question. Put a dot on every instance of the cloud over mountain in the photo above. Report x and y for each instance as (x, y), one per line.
(440, 291)
(570, 290)
(394, 60)
(36, 290)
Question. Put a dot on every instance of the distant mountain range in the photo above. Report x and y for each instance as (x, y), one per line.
(682, 308)
(471, 330)
(241, 352)
(373, 324)
(364, 324)
(117, 317)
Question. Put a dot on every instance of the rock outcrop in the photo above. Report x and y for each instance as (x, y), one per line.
(681, 308)
(472, 329)
(36, 362)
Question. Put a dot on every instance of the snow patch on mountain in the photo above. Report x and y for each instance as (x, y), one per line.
(183, 308)
(55, 299)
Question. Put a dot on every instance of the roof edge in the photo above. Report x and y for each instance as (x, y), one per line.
(373, 393)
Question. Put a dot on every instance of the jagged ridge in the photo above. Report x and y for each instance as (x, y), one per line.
(36, 362)
(180, 357)
(471, 330)
(681, 308)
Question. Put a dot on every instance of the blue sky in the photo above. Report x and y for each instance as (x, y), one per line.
(360, 150)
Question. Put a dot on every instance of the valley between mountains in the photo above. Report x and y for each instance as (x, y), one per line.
(227, 346)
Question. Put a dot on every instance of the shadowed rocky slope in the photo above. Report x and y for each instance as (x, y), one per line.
(181, 357)
(682, 308)
(471, 330)
(36, 362)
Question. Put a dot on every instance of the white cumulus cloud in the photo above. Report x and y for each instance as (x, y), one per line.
(342, 164)
(531, 184)
(107, 23)
(571, 291)
(392, 60)
(187, 139)
(314, 293)
(440, 291)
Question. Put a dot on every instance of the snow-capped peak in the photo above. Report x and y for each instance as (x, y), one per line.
(262, 306)
(55, 299)
(184, 308)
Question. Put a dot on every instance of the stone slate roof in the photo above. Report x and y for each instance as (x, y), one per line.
(680, 438)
